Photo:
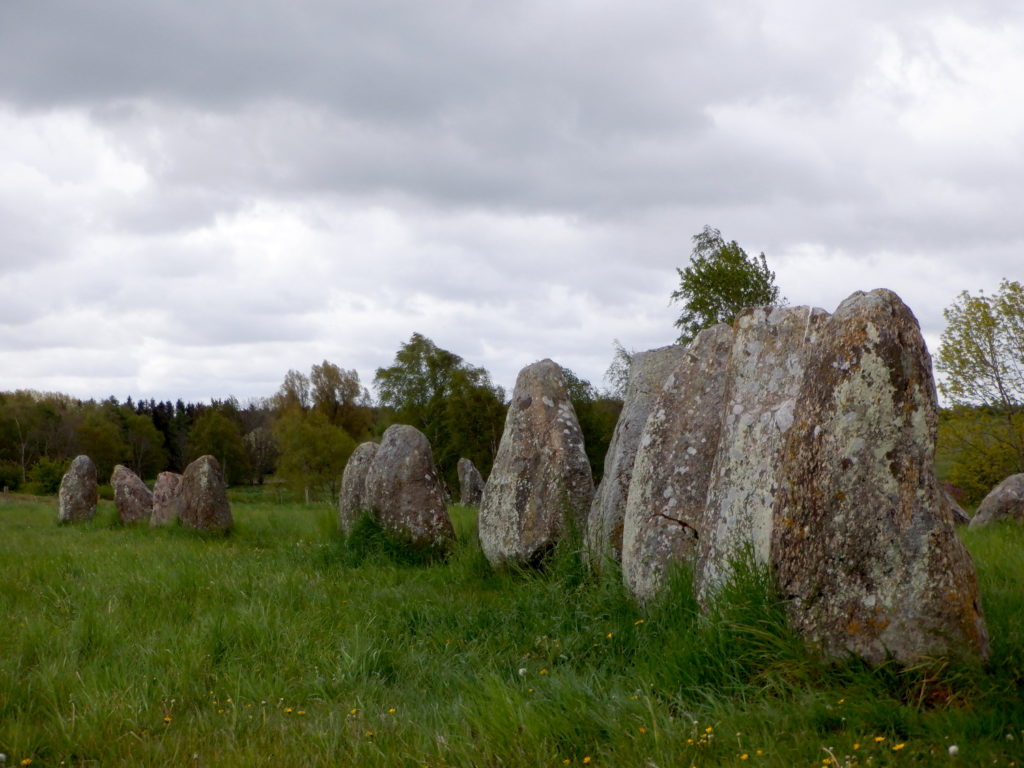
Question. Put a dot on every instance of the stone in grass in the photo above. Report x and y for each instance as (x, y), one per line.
(404, 492)
(471, 483)
(352, 500)
(1004, 502)
(78, 493)
(166, 499)
(647, 374)
(133, 500)
(204, 497)
(540, 486)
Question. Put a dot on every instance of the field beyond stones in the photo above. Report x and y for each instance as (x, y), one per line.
(283, 644)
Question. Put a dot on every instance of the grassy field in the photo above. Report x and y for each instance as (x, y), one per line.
(284, 645)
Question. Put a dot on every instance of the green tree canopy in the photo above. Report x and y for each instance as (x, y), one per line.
(313, 452)
(215, 434)
(720, 281)
(339, 395)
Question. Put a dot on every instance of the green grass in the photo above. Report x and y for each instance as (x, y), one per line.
(284, 645)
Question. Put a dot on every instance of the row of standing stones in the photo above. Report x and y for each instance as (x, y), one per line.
(198, 498)
(801, 438)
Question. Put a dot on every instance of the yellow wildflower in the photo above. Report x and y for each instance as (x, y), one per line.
(167, 718)
(27, 761)
(301, 712)
(642, 729)
(288, 710)
(898, 747)
(856, 746)
(586, 759)
(611, 635)
(638, 622)
(709, 729)
(544, 671)
(392, 711)
(744, 756)
(879, 739)
(353, 711)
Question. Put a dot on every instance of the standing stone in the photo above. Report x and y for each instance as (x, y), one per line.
(352, 502)
(960, 517)
(404, 491)
(1004, 502)
(166, 499)
(471, 484)
(78, 493)
(204, 496)
(540, 485)
(861, 546)
(764, 376)
(133, 499)
(647, 374)
(676, 452)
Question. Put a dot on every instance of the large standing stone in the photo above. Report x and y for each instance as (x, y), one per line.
(540, 484)
(78, 493)
(861, 545)
(960, 517)
(166, 499)
(133, 499)
(404, 491)
(204, 496)
(647, 374)
(471, 484)
(1004, 502)
(352, 502)
(676, 452)
(763, 378)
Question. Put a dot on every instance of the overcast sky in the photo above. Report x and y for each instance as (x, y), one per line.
(196, 197)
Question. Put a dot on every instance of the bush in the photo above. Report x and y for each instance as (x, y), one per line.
(45, 476)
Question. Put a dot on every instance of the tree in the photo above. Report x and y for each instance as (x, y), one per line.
(340, 396)
(720, 281)
(313, 452)
(617, 375)
(145, 443)
(100, 438)
(981, 355)
(217, 435)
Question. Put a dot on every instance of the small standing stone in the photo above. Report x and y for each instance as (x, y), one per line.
(471, 484)
(78, 494)
(133, 499)
(204, 496)
(166, 499)
(352, 501)
(1004, 502)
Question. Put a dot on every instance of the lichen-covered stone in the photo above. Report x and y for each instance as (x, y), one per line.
(404, 492)
(960, 517)
(540, 484)
(471, 483)
(133, 500)
(166, 499)
(665, 504)
(352, 500)
(1004, 502)
(204, 496)
(861, 546)
(78, 493)
(647, 374)
(763, 378)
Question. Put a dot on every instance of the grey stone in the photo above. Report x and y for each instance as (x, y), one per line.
(134, 501)
(960, 517)
(1004, 502)
(204, 497)
(166, 499)
(471, 484)
(647, 374)
(861, 545)
(403, 489)
(677, 449)
(540, 485)
(78, 493)
(352, 501)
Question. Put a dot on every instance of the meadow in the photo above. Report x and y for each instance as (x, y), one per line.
(284, 644)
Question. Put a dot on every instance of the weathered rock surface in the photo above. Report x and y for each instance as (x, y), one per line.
(676, 451)
(1004, 502)
(134, 501)
(204, 497)
(763, 378)
(471, 484)
(540, 484)
(78, 493)
(403, 489)
(352, 501)
(960, 517)
(166, 499)
(647, 374)
(861, 545)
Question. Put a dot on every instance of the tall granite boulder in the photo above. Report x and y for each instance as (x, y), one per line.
(861, 545)
(471, 484)
(204, 497)
(763, 379)
(540, 485)
(352, 501)
(665, 503)
(78, 493)
(404, 491)
(134, 501)
(1004, 502)
(166, 499)
(647, 374)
